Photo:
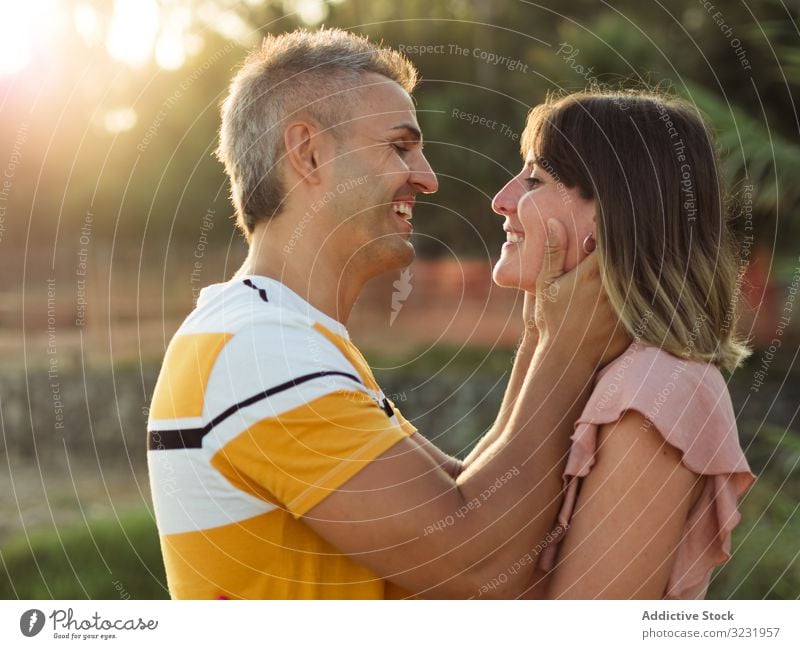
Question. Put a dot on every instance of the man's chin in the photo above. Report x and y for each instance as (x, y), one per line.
(390, 258)
(402, 250)
(402, 257)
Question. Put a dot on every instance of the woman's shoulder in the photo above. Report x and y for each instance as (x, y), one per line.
(644, 368)
(687, 401)
(644, 373)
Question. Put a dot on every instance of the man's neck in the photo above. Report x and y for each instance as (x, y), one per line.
(304, 268)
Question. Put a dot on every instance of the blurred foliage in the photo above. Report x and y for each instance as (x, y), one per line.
(766, 560)
(156, 195)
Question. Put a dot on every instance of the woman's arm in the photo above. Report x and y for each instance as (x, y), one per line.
(629, 517)
(522, 363)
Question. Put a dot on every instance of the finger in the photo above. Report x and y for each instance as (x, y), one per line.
(586, 275)
(555, 252)
(588, 267)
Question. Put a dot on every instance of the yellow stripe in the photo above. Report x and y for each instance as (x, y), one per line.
(271, 556)
(303, 455)
(181, 385)
(357, 360)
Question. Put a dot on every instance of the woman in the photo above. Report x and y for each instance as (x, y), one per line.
(655, 468)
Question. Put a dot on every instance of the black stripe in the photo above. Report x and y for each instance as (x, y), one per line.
(387, 408)
(167, 440)
(262, 293)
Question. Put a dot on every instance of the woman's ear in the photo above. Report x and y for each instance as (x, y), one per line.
(587, 229)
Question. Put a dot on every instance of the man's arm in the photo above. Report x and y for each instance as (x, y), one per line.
(410, 522)
(452, 466)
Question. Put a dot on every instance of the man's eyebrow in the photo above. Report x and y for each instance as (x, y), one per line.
(409, 128)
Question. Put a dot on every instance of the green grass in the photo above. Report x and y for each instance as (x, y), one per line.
(109, 559)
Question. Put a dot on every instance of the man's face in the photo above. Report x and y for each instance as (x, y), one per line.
(378, 171)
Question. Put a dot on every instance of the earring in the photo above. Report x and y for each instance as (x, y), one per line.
(589, 244)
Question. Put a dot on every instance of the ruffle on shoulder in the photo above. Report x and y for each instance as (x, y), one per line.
(688, 403)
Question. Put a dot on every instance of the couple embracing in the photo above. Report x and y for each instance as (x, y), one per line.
(279, 469)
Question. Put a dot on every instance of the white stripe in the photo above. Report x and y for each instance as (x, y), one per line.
(190, 495)
(265, 356)
(183, 423)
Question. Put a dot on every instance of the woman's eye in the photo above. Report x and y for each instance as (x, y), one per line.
(532, 182)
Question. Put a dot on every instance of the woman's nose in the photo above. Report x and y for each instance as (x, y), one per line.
(505, 201)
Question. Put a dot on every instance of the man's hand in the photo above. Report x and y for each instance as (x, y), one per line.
(572, 308)
(530, 330)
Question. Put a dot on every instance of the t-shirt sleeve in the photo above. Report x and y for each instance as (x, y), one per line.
(315, 426)
(407, 427)
(688, 404)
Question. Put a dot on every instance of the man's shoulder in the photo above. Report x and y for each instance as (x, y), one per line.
(231, 348)
(234, 308)
(260, 341)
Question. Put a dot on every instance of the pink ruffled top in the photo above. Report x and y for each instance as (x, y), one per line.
(689, 404)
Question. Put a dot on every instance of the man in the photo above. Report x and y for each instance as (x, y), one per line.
(278, 467)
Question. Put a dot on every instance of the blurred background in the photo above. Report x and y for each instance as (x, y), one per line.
(114, 213)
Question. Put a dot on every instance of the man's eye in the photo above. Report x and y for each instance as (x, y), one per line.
(532, 182)
(400, 148)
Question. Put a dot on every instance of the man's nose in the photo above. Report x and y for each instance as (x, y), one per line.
(423, 178)
(505, 201)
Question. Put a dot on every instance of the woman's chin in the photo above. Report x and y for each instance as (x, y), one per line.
(510, 272)
(506, 277)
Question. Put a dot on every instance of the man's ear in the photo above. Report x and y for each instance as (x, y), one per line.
(302, 140)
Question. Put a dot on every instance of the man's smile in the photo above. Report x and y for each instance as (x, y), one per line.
(403, 209)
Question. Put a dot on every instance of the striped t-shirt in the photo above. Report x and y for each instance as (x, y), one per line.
(263, 407)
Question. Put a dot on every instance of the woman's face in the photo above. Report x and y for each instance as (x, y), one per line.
(526, 202)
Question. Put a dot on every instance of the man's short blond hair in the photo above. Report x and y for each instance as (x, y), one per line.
(302, 72)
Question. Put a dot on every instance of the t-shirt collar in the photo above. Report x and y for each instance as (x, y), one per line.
(283, 297)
